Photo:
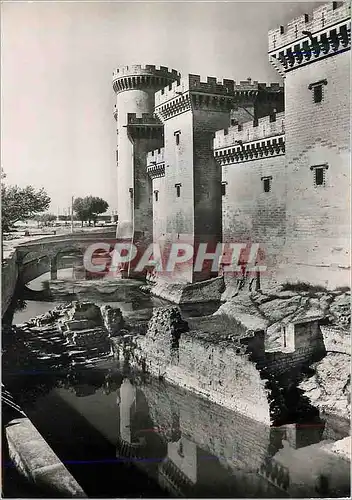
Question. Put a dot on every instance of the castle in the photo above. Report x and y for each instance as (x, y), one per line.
(245, 162)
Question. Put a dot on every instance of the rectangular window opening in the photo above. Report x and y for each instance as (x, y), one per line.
(266, 184)
(319, 176)
(178, 190)
(156, 194)
(223, 188)
(177, 137)
(318, 93)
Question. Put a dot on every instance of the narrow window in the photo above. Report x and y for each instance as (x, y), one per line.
(180, 449)
(318, 93)
(317, 88)
(223, 188)
(156, 194)
(319, 174)
(266, 184)
(178, 190)
(177, 137)
(131, 192)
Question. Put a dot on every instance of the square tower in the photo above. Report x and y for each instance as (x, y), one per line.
(312, 53)
(191, 111)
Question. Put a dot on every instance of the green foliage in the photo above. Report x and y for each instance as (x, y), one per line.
(19, 204)
(88, 208)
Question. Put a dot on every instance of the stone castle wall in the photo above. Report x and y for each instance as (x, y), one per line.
(317, 217)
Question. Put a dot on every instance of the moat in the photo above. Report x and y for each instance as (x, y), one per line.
(122, 433)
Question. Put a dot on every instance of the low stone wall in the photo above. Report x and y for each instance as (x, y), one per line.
(211, 361)
(190, 293)
(34, 459)
(9, 275)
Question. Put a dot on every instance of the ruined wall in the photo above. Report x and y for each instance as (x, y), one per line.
(208, 364)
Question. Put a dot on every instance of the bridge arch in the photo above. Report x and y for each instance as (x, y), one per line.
(40, 256)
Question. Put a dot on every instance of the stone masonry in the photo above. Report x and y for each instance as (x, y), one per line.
(193, 169)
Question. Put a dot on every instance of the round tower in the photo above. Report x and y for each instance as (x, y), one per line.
(138, 131)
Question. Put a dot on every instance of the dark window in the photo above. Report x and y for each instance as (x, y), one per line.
(131, 192)
(223, 189)
(267, 185)
(156, 193)
(318, 93)
(319, 176)
(117, 155)
(178, 190)
(177, 137)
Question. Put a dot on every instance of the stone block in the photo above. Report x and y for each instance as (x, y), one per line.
(84, 310)
(113, 319)
(81, 324)
(34, 458)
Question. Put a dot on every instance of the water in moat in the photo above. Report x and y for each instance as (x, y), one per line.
(124, 434)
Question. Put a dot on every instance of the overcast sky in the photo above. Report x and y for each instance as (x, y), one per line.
(58, 130)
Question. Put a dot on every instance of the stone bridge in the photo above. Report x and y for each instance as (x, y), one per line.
(42, 255)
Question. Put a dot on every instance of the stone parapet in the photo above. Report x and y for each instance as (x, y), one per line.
(139, 76)
(34, 459)
(245, 142)
(144, 126)
(143, 119)
(192, 93)
(263, 128)
(156, 163)
(324, 16)
(304, 42)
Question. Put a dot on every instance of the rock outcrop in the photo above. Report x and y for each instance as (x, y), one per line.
(329, 388)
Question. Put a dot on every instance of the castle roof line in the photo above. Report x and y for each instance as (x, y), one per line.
(297, 41)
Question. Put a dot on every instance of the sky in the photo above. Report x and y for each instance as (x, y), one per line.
(57, 58)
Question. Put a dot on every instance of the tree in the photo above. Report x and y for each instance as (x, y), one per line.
(45, 219)
(88, 208)
(19, 204)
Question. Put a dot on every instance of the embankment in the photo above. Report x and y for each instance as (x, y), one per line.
(9, 275)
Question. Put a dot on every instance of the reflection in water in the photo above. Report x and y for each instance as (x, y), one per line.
(189, 446)
(192, 447)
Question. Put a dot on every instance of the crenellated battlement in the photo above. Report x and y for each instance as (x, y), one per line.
(323, 17)
(192, 93)
(142, 119)
(156, 163)
(138, 76)
(193, 83)
(266, 127)
(145, 69)
(155, 157)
